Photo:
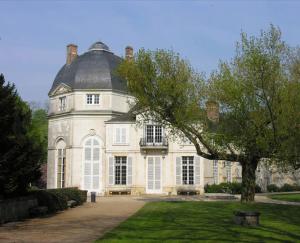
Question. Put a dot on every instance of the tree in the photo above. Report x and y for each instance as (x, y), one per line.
(38, 130)
(20, 154)
(251, 93)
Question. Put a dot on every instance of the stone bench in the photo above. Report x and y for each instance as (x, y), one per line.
(72, 203)
(120, 192)
(246, 218)
(188, 192)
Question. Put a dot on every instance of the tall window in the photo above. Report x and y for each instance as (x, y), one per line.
(120, 170)
(187, 170)
(92, 164)
(215, 171)
(228, 171)
(61, 164)
(120, 135)
(92, 99)
(62, 103)
(153, 134)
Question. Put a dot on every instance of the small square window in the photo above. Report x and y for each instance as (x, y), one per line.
(92, 99)
(89, 99)
(62, 103)
(96, 99)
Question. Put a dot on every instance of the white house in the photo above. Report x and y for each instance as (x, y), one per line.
(95, 142)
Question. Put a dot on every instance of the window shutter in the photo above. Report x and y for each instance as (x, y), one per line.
(197, 170)
(178, 171)
(111, 171)
(117, 135)
(123, 138)
(150, 173)
(157, 173)
(129, 170)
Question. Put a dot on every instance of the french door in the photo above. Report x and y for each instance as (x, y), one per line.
(154, 175)
(91, 170)
(153, 134)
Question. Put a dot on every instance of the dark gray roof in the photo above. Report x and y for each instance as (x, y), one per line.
(126, 117)
(130, 116)
(95, 69)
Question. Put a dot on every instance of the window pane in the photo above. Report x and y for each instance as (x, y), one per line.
(149, 133)
(158, 134)
(89, 99)
(96, 99)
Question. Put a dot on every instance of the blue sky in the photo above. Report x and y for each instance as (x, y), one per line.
(34, 34)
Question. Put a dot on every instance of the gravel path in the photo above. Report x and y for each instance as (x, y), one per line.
(85, 223)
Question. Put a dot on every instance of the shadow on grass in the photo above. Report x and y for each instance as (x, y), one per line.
(208, 221)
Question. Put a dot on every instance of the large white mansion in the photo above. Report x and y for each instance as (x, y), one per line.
(95, 142)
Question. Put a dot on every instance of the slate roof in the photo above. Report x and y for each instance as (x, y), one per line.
(95, 69)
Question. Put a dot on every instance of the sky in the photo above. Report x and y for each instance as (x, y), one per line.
(34, 34)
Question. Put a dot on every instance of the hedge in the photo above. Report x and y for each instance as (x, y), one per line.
(228, 187)
(57, 199)
(285, 188)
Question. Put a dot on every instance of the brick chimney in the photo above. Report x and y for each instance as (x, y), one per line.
(128, 53)
(71, 53)
(212, 111)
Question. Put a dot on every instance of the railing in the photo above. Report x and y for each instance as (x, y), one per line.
(144, 142)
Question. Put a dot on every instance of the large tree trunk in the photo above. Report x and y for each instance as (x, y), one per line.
(248, 179)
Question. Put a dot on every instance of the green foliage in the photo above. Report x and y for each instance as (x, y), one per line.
(57, 199)
(207, 222)
(38, 130)
(20, 155)
(289, 188)
(227, 187)
(272, 188)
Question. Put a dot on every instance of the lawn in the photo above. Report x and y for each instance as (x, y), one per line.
(287, 197)
(207, 222)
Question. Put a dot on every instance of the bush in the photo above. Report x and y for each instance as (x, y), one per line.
(227, 187)
(272, 188)
(289, 188)
(57, 199)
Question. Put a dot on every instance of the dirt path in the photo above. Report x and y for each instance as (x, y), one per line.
(85, 223)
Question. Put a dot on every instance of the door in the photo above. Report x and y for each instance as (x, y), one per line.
(91, 170)
(154, 174)
(153, 134)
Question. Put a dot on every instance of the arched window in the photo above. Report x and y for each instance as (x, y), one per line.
(91, 165)
(61, 164)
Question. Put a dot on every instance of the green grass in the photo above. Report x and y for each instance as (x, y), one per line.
(287, 197)
(207, 222)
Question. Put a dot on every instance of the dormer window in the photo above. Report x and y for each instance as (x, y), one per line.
(92, 99)
(62, 103)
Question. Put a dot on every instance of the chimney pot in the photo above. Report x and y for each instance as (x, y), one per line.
(212, 111)
(128, 53)
(71, 53)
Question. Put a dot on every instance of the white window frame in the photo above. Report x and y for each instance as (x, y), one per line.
(216, 171)
(92, 99)
(121, 158)
(190, 162)
(120, 135)
(62, 103)
(228, 171)
(157, 134)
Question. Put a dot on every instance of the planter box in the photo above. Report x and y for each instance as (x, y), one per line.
(246, 218)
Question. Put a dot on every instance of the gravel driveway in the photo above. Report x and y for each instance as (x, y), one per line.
(85, 223)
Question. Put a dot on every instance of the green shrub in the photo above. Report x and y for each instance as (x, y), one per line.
(57, 199)
(227, 187)
(272, 188)
(289, 188)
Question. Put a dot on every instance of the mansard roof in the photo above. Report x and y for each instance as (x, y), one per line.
(95, 69)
